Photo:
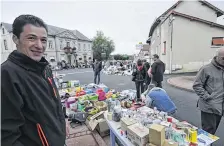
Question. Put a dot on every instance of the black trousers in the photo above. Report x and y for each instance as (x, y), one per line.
(210, 122)
(139, 88)
(97, 74)
(157, 84)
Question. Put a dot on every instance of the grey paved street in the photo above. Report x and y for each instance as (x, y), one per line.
(184, 100)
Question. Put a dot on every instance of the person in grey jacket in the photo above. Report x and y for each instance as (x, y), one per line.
(209, 86)
(97, 67)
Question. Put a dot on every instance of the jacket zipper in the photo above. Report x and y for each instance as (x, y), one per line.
(42, 135)
(53, 90)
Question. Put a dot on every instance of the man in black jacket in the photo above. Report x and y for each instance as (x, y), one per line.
(97, 67)
(158, 69)
(31, 109)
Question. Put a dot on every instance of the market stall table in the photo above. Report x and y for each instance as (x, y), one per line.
(115, 131)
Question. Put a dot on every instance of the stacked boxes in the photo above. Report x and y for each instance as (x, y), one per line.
(125, 122)
(138, 135)
(157, 134)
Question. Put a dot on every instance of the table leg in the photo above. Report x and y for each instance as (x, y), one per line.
(112, 138)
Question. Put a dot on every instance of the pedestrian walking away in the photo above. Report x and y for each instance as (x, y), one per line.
(139, 77)
(209, 86)
(31, 108)
(97, 67)
(158, 69)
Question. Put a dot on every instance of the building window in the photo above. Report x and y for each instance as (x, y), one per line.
(68, 44)
(79, 47)
(164, 48)
(3, 31)
(5, 44)
(50, 44)
(84, 47)
(218, 41)
(89, 47)
(80, 58)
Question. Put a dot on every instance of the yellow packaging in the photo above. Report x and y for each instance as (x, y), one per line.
(78, 89)
(193, 135)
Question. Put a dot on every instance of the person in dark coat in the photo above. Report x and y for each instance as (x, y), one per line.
(97, 67)
(158, 69)
(209, 86)
(139, 77)
(31, 107)
(148, 78)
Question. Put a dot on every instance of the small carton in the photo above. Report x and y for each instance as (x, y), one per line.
(157, 134)
(125, 122)
(138, 135)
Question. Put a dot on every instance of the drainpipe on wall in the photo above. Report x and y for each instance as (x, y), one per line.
(171, 42)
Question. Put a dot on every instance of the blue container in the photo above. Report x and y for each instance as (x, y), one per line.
(89, 91)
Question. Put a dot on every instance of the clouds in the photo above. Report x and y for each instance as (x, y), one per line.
(126, 22)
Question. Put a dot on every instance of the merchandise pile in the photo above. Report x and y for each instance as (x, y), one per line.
(96, 104)
(150, 127)
(115, 70)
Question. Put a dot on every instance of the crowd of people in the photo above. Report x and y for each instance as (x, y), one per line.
(30, 103)
(145, 74)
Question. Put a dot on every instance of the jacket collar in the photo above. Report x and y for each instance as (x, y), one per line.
(216, 64)
(28, 63)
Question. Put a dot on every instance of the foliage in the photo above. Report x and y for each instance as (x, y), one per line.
(102, 46)
(121, 57)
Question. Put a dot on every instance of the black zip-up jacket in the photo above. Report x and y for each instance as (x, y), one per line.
(31, 108)
(158, 69)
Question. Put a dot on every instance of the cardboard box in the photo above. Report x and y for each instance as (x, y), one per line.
(157, 134)
(125, 122)
(138, 135)
(168, 143)
(95, 120)
(102, 128)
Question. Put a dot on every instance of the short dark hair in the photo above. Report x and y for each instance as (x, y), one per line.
(156, 56)
(139, 62)
(22, 20)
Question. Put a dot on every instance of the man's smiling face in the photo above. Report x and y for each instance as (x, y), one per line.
(32, 41)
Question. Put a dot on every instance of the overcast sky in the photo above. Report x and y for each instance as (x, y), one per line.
(126, 22)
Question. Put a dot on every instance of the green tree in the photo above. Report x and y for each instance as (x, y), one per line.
(121, 57)
(102, 46)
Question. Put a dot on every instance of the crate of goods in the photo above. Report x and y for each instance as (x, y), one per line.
(138, 135)
(157, 134)
(102, 106)
(92, 96)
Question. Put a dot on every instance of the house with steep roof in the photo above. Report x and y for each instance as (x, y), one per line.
(58, 40)
(186, 36)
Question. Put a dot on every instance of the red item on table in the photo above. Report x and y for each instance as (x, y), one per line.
(80, 93)
(193, 144)
(169, 119)
(101, 94)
